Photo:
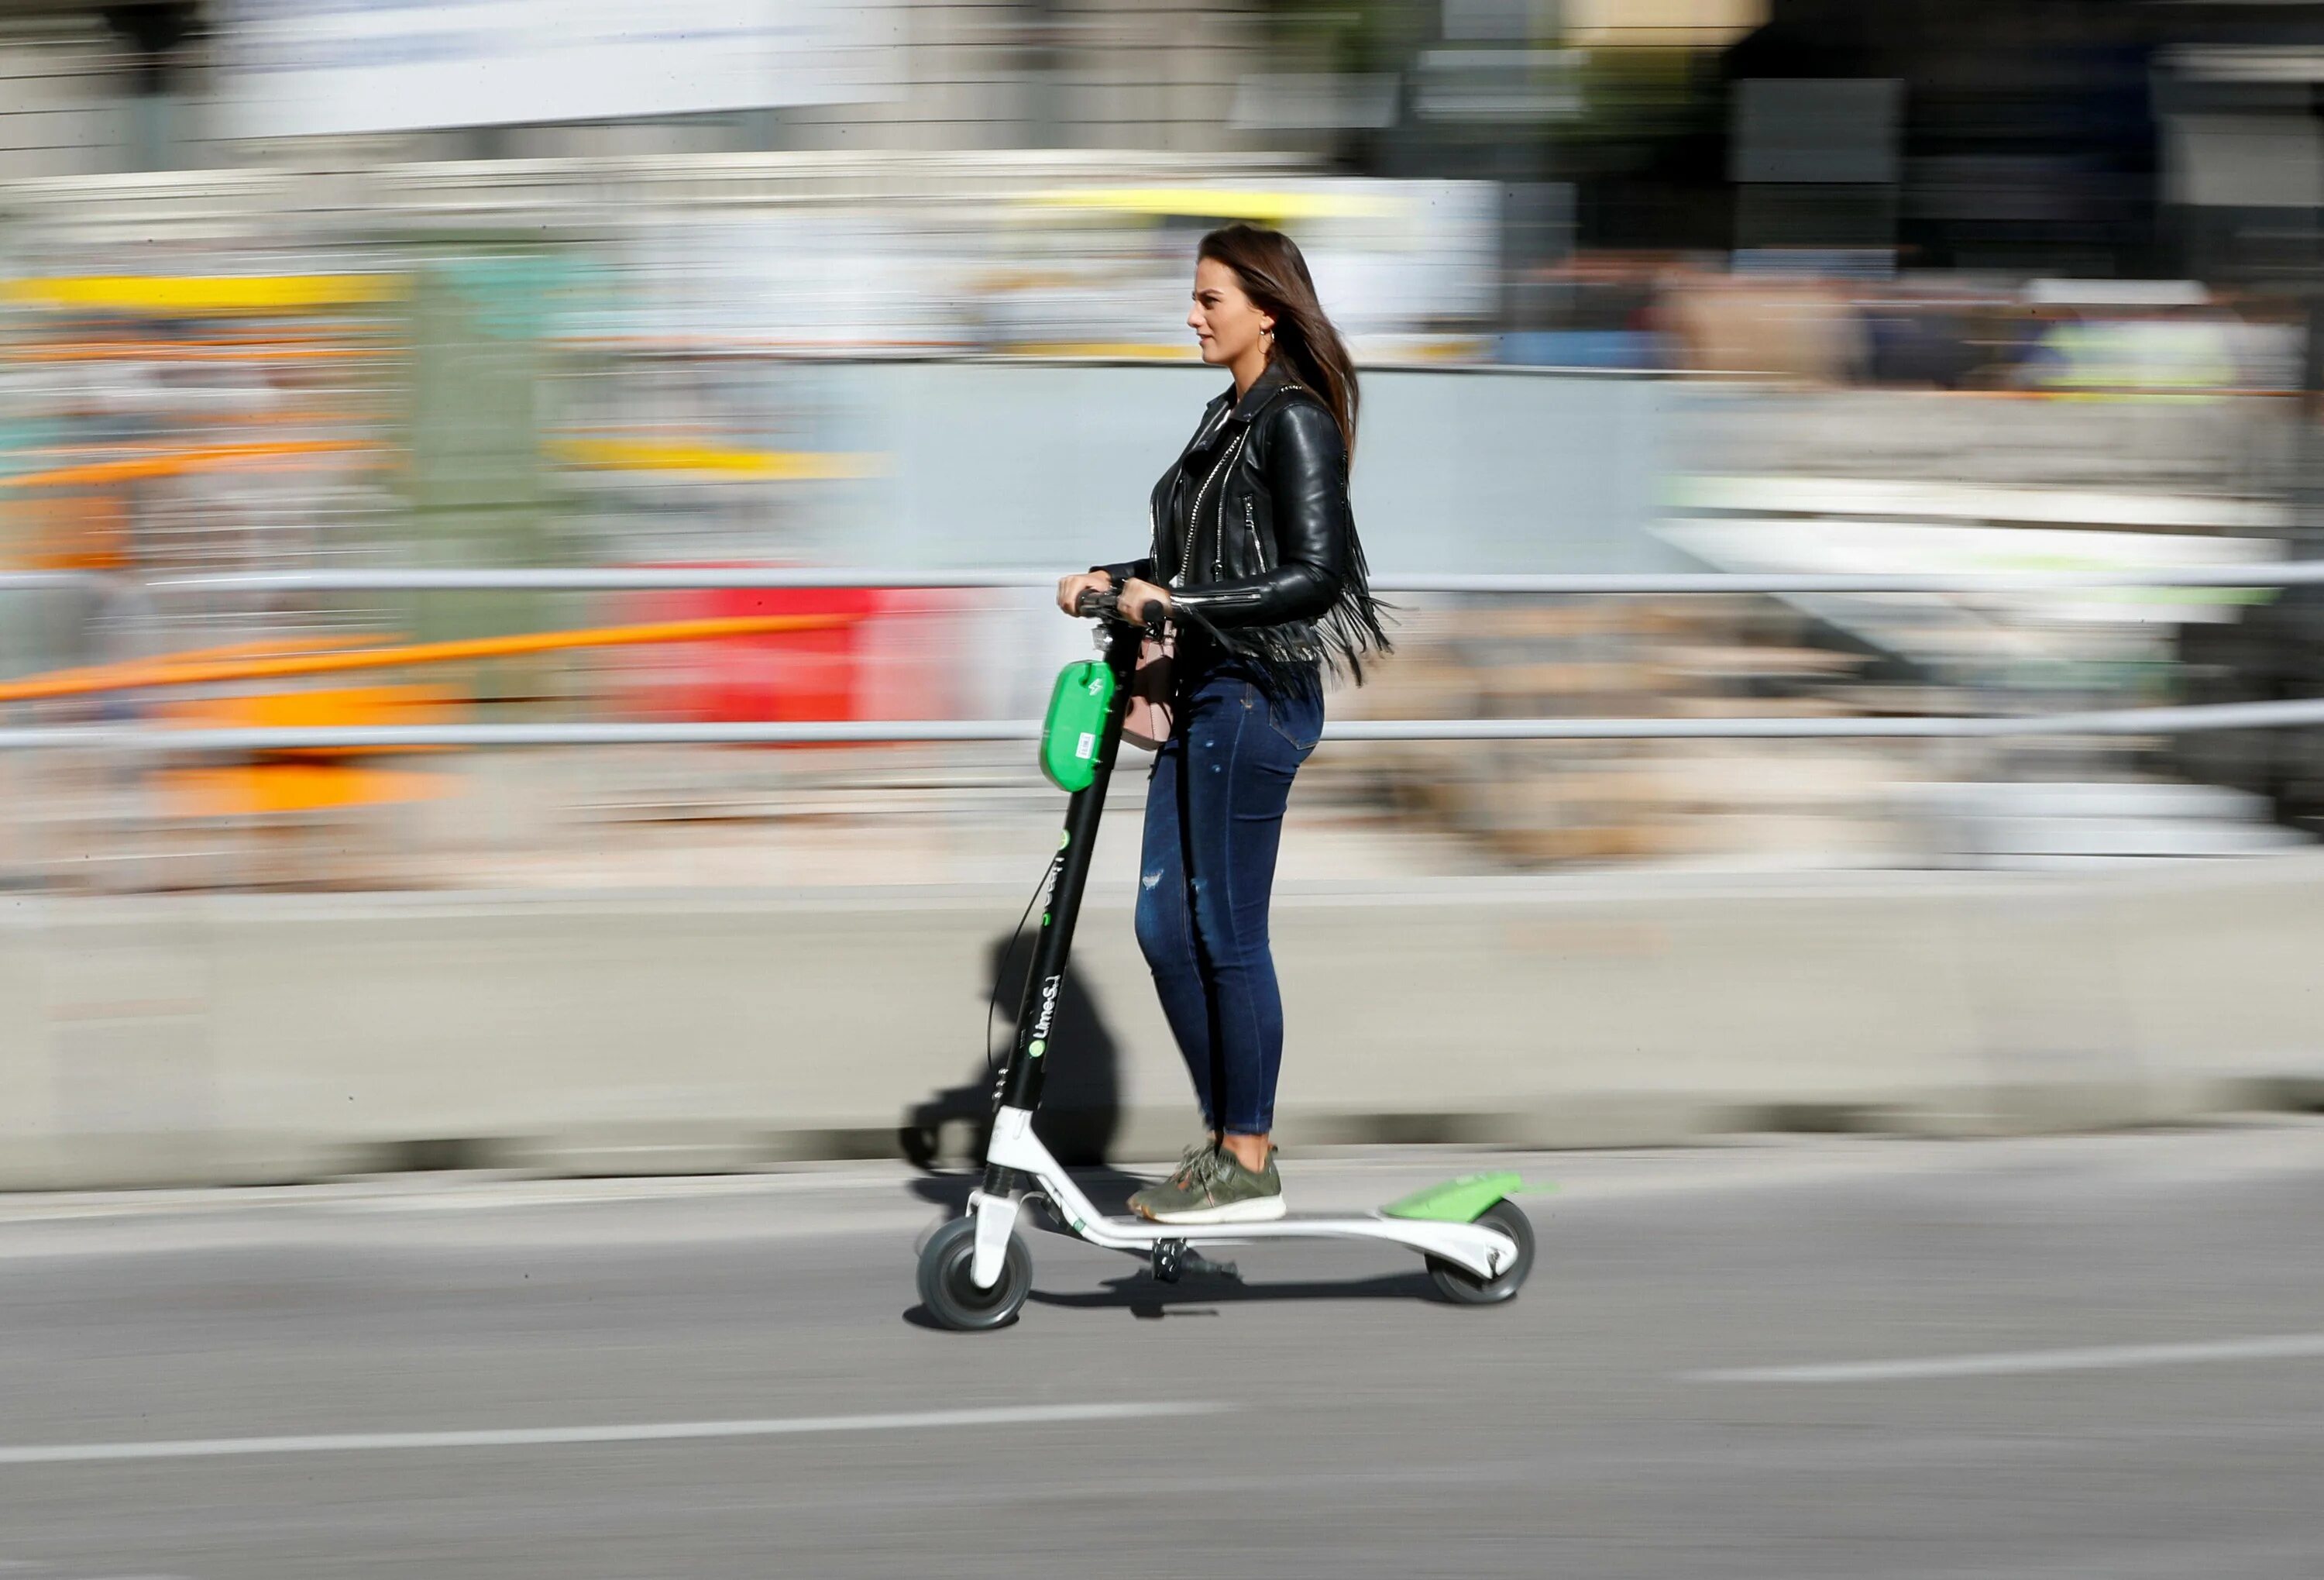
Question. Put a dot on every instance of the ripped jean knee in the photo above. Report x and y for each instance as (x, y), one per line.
(1161, 925)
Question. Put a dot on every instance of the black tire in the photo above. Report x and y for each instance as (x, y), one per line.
(1462, 1288)
(953, 1298)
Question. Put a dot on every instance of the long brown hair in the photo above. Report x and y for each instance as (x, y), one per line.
(1275, 276)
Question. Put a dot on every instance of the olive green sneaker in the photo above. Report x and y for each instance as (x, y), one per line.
(1188, 1161)
(1216, 1189)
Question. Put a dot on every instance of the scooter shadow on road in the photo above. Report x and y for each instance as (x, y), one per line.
(1149, 1300)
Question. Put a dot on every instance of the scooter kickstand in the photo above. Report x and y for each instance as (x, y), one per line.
(1173, 1260)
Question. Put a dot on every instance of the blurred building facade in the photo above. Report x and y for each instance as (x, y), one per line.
(1639, 285)
(1382, 85)
(2064, 137)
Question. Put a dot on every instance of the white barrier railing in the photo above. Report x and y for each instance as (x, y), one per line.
(622, 578)
(2134, 721)
(2117, 721)
(22, 581)
(644, 578)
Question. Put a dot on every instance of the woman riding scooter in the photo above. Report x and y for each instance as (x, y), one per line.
(1254, 558)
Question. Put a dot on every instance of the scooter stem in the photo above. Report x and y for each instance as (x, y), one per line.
(1021, 1079)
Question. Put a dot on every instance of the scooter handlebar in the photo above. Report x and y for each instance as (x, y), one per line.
(1107, 606)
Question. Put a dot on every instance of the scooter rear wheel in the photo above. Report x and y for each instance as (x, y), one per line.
(951, 1295)
(1462, 1288)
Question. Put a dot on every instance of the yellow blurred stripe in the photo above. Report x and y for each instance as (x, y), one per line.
(1218, 202)
(224, 293)
(193, 351)
(624, 455)
(1144, 351)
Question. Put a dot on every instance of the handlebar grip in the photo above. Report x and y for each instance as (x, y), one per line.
(1107, 606)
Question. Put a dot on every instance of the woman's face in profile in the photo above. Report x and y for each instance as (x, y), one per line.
(1226, 322)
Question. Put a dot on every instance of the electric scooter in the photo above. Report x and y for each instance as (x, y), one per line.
(974, 1271)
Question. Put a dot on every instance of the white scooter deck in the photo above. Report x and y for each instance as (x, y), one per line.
(1485, 1252)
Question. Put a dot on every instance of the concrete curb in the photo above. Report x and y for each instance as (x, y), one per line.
(177, 1040)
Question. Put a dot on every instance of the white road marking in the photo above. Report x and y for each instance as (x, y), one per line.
(2293, 1346)
(559, 1437)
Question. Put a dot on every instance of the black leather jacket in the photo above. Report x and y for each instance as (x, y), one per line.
(1254, 534)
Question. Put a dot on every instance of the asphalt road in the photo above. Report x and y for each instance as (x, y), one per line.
(2097, 1357)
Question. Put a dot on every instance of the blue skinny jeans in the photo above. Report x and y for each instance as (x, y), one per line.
(1213, 821)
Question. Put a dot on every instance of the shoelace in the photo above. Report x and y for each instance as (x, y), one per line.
(1185, 1173)
(1215, 1167)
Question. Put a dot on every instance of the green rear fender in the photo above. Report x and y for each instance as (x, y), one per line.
(1458, 1201)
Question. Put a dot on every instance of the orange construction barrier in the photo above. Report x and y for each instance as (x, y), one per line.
(302, 781)
(202, 670)
(178, 463)
(289, 782)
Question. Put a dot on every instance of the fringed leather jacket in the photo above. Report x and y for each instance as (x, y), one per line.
(1253, 535)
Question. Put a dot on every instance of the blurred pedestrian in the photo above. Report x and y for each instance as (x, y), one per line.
(1254, 555)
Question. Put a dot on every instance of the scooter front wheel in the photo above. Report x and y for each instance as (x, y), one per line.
(1462, 1288)
(950, 1293)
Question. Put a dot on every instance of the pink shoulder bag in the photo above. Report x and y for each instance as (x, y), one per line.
(1147, 721)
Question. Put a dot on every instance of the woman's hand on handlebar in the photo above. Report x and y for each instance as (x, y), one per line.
(1071, 588)
(1136, 595)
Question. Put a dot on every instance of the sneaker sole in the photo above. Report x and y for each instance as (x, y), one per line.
(1263, 1209)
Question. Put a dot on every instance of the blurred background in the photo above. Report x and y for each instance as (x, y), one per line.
(400, 366)
(891, 295)
(1640, 285)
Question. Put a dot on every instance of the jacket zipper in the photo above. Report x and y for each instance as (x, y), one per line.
(1154, 519)
(1219, 540)
(1194, 515)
